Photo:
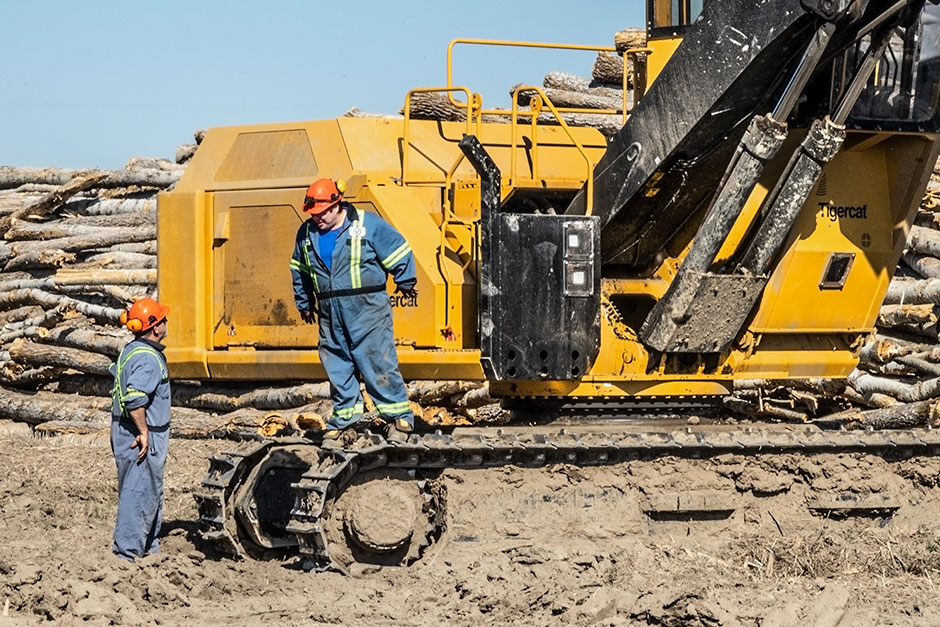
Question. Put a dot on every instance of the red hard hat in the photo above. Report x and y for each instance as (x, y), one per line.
(322, 196)
(144, 314)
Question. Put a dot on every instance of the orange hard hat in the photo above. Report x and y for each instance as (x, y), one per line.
(144, 314)
(323, 195)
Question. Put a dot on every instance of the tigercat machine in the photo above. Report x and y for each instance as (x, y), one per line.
(744, 222)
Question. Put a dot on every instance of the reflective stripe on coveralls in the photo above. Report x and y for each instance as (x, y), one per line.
(122, 398)
(305, 267)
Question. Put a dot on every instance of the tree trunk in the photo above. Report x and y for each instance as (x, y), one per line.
(228, 399)
(924, 241)
(112, 206)
(572, 82)
(105, 342)
(118, 260)
(143, 248)
(39, 259)
(909, 292)
(435, 106)
(45, 299)
(905, 392)
(926, 266)
(39, 407)
(629, 38)
(18, 314)
(35, 355)
(900, 416)
(22, 230)
(106, 277)
(608, 68)
(12, 177)
(572, 99)
(101, 238)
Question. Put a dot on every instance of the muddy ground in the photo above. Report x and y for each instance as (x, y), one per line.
(569, 546)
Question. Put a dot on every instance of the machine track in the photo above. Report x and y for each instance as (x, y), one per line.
(372, 501)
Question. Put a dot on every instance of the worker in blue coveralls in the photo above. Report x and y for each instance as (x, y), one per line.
(140, 429)
(341, 262)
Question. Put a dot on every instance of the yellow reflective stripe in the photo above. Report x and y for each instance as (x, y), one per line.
(119, 366)
(396, 256)
(310, 272)
(349, 411)
(355, 257)
(392, 408)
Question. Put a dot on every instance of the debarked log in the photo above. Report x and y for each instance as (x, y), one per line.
(608, 68)
(913, 292)
(35, 355)
(925, 265)
(24, 230)
(100, 237)
(570, 99)
(119, 260)
(16, 298)
(38, 407)
(223, 398)
(865, 384)
(629, 38)
(924, 241)
(572, 82)
(11, 177)
(900, 416)
(432, 392)
(110, 206)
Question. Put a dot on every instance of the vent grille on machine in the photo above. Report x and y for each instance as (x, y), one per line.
(268, 155)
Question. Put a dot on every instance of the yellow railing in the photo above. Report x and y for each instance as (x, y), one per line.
(474, 104)
(535, 109)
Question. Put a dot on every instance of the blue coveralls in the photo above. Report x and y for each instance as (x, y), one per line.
(141, 379)
(355, 315)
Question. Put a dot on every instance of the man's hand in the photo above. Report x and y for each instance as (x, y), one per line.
(143, 441)
(139, 418)
(310, 316)
(410, 291)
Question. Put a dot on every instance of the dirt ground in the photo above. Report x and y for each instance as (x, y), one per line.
(566, 546)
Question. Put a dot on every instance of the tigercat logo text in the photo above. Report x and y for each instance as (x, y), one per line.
(839, 212)
(400, 300)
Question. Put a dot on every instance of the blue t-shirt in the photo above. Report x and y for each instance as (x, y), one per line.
(326, 242)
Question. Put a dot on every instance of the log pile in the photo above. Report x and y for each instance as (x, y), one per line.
(897, 381)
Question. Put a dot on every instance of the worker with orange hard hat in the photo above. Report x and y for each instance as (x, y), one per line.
(140, 429)
(342, 259)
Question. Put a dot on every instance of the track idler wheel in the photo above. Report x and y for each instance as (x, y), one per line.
(384, 517)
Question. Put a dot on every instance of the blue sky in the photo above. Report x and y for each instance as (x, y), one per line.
(91, 84)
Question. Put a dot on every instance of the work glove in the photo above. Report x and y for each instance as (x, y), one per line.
(409, 291)
(310, 316)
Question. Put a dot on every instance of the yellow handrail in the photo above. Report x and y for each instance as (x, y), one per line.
(534, 112)
(473, 106)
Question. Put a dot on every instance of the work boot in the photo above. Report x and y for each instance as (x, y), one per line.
(398, 430)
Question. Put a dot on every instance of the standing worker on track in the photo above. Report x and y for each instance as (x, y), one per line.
(140, 429)
(341, 262)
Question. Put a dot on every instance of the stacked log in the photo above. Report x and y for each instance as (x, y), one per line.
(897, 381)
